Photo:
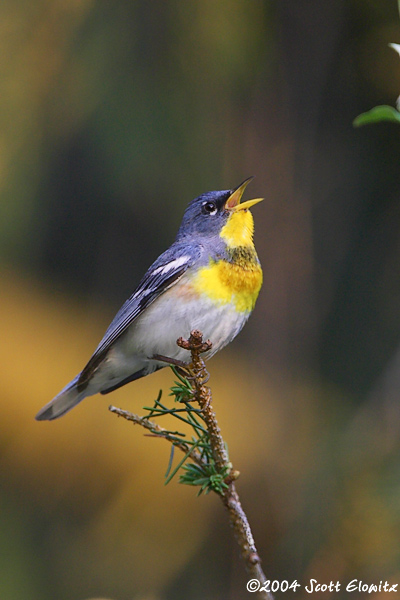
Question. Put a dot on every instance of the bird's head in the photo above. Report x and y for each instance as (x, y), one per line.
(221, 214)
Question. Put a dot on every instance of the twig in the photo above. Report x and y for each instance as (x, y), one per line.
(198, 376)
(230, 498)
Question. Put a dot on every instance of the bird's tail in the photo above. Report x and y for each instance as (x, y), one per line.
(62, 403)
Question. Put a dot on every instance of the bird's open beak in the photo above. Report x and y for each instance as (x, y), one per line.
(233, 202)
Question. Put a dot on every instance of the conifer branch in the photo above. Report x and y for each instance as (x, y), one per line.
(211, 469)
(158, 431)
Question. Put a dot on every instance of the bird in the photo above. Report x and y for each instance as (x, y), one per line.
(208, 279)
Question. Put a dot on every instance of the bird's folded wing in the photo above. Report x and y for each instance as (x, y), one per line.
(163, 273)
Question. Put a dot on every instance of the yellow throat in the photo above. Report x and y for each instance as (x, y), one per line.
(239, 229)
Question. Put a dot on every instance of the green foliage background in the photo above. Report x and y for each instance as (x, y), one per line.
(112, 117)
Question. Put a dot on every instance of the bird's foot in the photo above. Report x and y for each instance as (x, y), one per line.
(180, 365)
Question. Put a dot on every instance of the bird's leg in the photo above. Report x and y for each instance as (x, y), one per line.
(195, 371)
(180, 365)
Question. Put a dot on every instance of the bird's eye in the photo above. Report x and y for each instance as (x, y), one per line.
(209, 208)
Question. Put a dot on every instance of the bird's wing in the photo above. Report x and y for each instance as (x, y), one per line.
(164, 273)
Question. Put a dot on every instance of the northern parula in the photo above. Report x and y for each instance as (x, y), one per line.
(209, 280)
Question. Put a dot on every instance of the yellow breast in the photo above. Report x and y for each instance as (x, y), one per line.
(237, 280)
(225, 282)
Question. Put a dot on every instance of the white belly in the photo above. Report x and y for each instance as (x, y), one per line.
(156, 330)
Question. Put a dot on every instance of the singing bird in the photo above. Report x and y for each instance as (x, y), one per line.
(208, 280)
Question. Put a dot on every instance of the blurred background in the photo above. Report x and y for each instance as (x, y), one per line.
(113, 117)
